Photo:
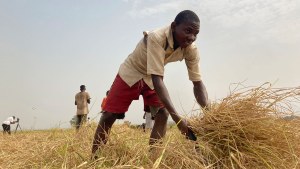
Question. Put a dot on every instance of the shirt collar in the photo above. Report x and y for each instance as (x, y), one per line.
(169, 35)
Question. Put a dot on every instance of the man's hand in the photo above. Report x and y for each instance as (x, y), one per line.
(183, 126)
(163, 94)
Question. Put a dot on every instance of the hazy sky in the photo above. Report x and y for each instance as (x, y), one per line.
(48, 48)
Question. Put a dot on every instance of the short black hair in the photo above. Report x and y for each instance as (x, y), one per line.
(82, 87)
(107, 92)
(186, 15)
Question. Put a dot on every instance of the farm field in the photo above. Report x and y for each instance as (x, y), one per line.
(63, 148)
(253, 128)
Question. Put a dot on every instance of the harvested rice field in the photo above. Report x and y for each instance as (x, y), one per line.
(247, 129)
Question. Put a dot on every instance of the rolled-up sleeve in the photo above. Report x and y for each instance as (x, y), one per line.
(155, 55)
(192, 60)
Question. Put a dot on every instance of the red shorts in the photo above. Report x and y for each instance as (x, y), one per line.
(121, 95)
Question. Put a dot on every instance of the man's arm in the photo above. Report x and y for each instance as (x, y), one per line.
(163, 94)
(13, 121)
(89, 98)
(200, 93)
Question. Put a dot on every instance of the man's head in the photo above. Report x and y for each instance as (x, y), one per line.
(185, 28)
(82, 88)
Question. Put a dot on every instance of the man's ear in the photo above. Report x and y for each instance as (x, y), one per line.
(173, 26)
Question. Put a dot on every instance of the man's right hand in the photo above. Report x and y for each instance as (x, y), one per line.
(183, 126)
(180, 122)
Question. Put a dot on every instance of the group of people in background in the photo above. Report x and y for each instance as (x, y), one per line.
(82, 99)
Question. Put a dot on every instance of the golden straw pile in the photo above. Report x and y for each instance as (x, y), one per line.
(248, 130)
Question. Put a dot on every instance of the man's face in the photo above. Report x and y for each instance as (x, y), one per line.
(185, 33)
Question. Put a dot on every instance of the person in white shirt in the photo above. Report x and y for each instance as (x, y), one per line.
(149, 119)
(6, 124)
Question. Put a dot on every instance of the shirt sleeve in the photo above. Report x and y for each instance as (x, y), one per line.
(155, 55)
(192, 60)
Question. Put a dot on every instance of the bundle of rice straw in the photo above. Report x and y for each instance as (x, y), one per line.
(248, 130)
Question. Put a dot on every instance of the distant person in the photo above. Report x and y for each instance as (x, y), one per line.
(142, 73)
(6, 124)
(149, 119)
(104, 101)
(82, 99)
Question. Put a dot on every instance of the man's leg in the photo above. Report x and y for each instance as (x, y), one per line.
(83, 119)
(4, 128)
(160, 126)
(106, 121)
(118, 101)
(8, 129)
(78, 122)
(158, 111)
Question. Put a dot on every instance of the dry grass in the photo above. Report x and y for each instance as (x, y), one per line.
(247, 130)
(244, 130)
(127, 148)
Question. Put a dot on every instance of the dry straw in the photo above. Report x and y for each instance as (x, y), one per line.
(244, 130)
(248, 130)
